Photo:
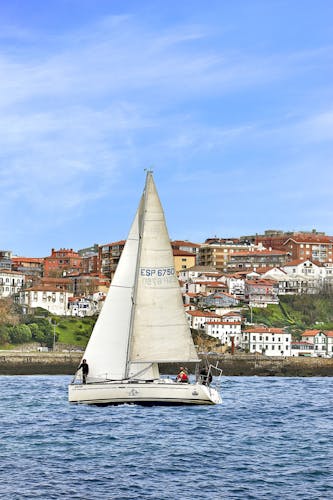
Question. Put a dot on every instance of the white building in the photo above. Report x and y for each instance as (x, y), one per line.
(322, 342)
(11, 282)
(269, 341)
(198, 271)
(53, 300)
(309, 275)
(302, 349)
(198, 319)
(329, 336)
(236, 286)
(82, 306)
(225, 329)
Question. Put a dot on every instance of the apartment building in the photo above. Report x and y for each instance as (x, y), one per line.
(254, 258)
(313, 247)
(30, 266)
(217, 252)
(61, 262)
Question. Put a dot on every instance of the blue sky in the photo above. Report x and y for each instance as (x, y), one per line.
(230, 103)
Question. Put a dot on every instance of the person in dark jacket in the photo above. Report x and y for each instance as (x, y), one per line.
(85, 370)
(206, 375)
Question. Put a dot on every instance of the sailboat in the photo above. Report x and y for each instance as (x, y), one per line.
(142, 324)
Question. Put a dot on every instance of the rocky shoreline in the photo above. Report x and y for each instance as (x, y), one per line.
(57, 363)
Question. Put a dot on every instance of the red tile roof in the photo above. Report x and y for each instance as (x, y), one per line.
(263, 329)
(203, 314)
(176, 252)
(309, 238)
(310, 333)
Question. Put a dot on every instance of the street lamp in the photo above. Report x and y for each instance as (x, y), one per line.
(54, 336)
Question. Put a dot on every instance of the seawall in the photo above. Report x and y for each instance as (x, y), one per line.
(37, 363)
(274, 366)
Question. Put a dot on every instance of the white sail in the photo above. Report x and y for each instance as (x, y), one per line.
(160, 331)
(107, 349)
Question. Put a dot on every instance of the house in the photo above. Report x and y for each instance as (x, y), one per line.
(318, 339)
(307, 273)
(53, 299)
(268, 341)
(219, 299)
(183, 259)
(287, 284)
(197, 319)
(236, 285)
(11, 282)
(82, 306)
(227, 330)
(260, 292)
(194, 272)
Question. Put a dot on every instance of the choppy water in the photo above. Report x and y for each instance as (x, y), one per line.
(272, 438)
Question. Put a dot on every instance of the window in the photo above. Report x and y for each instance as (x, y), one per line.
(273, 347)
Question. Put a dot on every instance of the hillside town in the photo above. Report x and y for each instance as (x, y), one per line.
(219, 280)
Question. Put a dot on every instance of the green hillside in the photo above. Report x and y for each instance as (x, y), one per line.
(74, 331)
(297, 312)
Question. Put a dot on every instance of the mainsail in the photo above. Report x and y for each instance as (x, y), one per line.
(143, 320)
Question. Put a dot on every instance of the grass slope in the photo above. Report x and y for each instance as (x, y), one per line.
(297, 312)
(74, 331)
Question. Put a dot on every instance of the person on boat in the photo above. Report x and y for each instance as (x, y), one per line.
(182, 376)
(206, 375)
(85, 370)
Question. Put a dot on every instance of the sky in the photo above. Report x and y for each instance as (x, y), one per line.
(230, 103)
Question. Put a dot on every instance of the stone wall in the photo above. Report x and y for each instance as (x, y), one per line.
(40, 363)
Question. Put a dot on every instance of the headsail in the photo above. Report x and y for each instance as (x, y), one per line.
(107, 349)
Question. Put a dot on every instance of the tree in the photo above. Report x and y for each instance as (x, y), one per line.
(8, 313)
(19, 334)
(4, 334)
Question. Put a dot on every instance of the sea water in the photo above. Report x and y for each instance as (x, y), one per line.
(272, 438)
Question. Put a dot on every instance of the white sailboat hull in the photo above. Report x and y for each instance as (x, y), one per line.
(159, 392)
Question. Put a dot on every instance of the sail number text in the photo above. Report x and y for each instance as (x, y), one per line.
(153, 272)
